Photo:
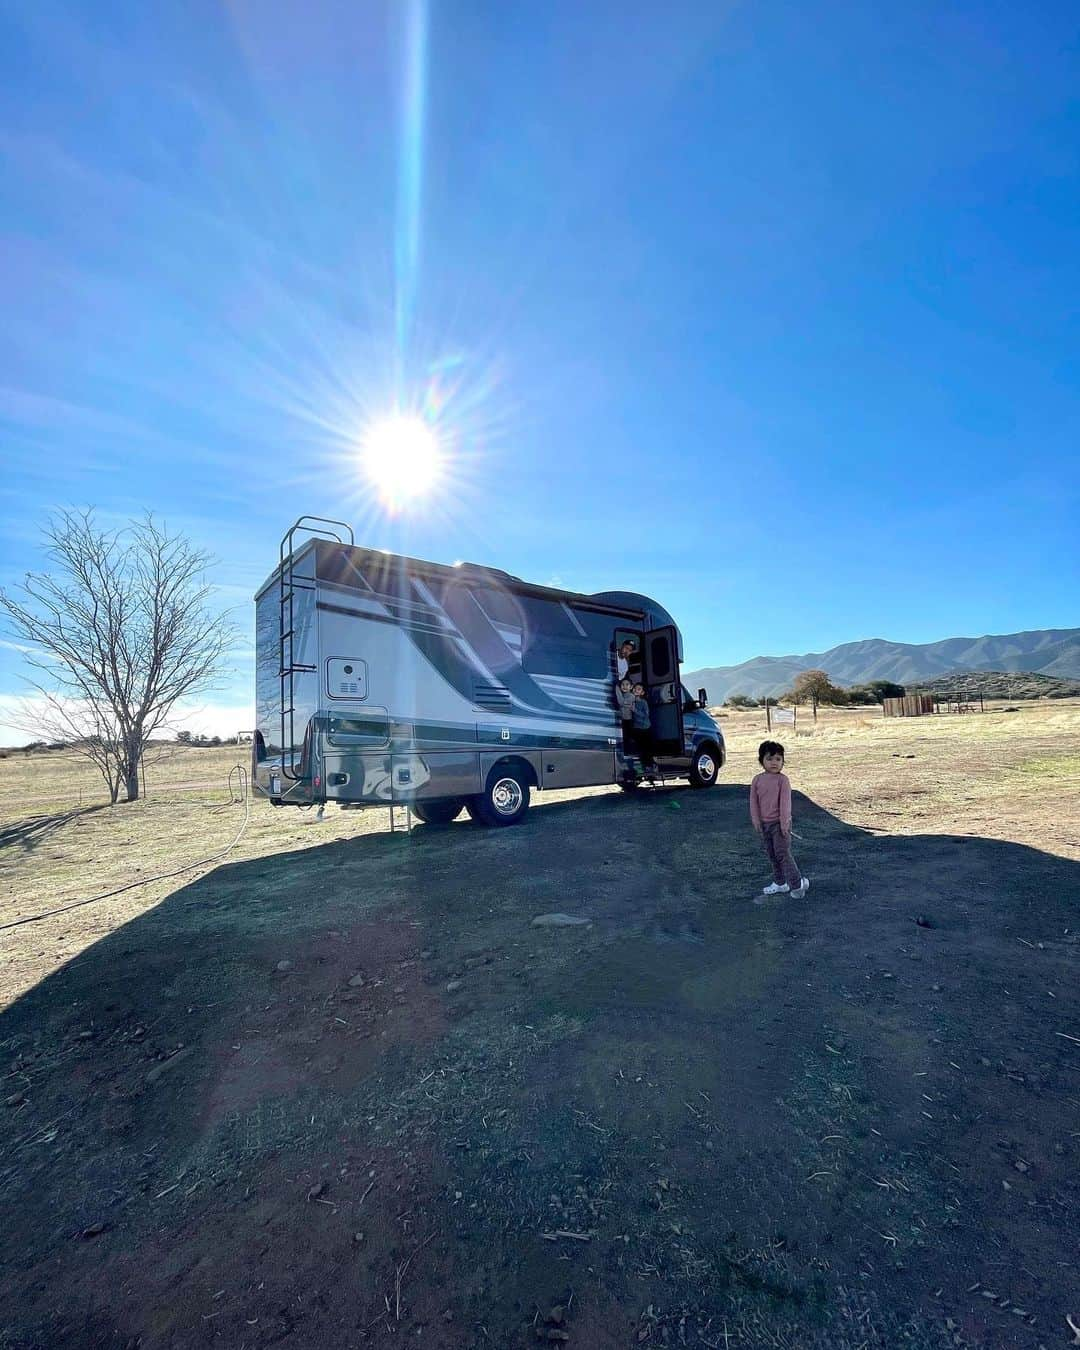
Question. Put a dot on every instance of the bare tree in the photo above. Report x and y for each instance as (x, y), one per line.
(818, 688)
(119, 630)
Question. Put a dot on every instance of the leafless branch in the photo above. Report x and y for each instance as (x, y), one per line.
(120, 629)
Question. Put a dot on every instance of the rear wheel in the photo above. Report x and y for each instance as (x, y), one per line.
(503, 802)
(438, 813)
(705, 767)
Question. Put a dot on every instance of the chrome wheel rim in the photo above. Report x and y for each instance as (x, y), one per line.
(507, 796)
(706, 766)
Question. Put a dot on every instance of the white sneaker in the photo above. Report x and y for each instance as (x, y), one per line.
(803, 887)
(777, 888)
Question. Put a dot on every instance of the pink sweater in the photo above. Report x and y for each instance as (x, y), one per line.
(770, 800)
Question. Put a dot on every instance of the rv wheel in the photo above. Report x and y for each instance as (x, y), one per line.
(438, 813)
(503, 802)
(704, 767)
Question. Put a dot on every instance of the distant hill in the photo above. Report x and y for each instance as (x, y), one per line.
(1049, 651)
(1010, 684)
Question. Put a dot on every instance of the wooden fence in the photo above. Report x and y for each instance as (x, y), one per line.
(911, 705)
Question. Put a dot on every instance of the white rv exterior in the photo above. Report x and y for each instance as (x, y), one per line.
(386, 679)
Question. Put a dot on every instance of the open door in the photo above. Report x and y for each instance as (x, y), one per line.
(661, 665)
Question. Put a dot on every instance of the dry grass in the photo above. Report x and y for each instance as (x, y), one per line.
(998, 775)
(750, 1108)
(1005, 775)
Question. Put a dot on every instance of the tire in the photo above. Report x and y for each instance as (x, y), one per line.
(705, 767)
(438, 812)
(503, 802)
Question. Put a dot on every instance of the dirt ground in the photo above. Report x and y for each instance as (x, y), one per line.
(338, 1089)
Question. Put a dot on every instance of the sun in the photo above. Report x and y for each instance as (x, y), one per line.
(401, 457)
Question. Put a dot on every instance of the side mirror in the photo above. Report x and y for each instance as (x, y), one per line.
(702, 699)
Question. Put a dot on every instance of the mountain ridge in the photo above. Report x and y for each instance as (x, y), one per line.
(1044, 651)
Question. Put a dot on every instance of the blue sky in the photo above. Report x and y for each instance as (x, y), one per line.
(767, 310)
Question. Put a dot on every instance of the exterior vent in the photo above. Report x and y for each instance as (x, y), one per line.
(493, 697)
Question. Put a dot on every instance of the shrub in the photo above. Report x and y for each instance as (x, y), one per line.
(883, 689)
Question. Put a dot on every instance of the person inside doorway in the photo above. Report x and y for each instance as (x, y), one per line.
(627, 661)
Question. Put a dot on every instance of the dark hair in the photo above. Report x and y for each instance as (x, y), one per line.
(769, 748)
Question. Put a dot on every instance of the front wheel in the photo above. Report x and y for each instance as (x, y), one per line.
(438, 813)
(503, 802)
(704, 767)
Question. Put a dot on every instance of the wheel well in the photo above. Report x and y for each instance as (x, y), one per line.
(520, 766)
(712, 745)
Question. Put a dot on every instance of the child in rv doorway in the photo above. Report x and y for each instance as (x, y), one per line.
(624, 697)
(642, 725)
(770, 811)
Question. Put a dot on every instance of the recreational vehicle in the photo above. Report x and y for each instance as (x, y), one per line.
(382, 679)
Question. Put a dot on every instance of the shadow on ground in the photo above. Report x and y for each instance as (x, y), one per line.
(353, 1094)
(28, 833)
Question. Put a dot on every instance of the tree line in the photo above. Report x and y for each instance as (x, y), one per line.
(816, 688)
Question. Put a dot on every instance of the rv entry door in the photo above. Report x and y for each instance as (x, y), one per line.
(661, 661)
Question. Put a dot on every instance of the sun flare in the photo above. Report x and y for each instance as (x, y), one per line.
(401, 458)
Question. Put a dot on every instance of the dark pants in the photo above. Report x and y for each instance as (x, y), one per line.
(778, 847)
(643, 741)
(638, 741)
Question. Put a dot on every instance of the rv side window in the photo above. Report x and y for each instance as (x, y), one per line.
(575, 658)
(351, 730)
(556, 645)
(500, 606)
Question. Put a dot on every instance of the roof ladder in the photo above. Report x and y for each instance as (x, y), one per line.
(288, 667)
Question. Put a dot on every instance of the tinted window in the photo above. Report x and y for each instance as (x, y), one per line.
(547, 617)
(499, 606)
(554, 644)
(660, 657)
(578, 659)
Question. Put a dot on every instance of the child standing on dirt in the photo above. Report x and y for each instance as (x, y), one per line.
(770, 810)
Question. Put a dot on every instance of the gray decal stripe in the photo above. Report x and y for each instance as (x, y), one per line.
(427, 612)
(489, 645)
(439, 647)
(390, 619)
(412, 735)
